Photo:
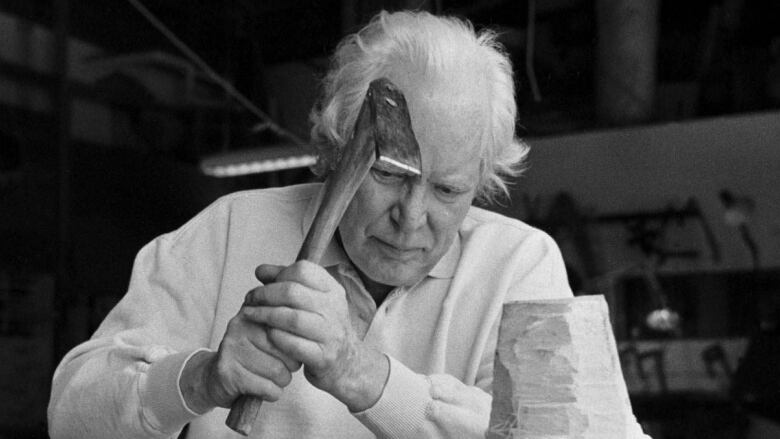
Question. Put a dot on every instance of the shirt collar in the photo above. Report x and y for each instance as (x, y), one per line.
(334, 255)
(445, 268)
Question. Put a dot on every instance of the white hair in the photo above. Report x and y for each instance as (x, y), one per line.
(437, 46)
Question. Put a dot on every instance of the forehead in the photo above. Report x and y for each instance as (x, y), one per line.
(449, 119)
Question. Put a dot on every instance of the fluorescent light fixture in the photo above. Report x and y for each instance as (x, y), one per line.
(257, 160)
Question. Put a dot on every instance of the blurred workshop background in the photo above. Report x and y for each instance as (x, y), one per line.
(655, 164)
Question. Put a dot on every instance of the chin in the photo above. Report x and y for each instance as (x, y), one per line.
(395, 275)
(375, 262)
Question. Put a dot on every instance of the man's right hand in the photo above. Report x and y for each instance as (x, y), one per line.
(247, 363)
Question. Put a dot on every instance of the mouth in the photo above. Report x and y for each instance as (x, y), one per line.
(398, 251)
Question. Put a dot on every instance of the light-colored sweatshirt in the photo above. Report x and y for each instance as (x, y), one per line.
(440, 335)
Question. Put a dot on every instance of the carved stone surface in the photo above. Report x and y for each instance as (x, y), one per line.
(557, 373)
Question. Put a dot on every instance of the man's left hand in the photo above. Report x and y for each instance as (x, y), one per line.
(307, 314)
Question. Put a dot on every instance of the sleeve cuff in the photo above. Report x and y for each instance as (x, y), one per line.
(403, 407)
(162, 401)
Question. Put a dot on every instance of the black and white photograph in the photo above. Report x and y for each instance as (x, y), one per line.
(393, 219)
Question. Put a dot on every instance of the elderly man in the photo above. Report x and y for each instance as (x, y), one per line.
(396, 331)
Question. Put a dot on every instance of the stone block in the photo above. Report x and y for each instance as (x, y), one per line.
(557, 373)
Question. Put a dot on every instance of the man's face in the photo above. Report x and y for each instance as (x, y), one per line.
(397, 227)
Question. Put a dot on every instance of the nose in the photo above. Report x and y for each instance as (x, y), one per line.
(410, 211)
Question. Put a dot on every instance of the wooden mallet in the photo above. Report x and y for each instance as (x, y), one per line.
(383, 131)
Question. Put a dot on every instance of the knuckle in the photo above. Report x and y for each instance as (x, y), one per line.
(249, 298)
(235, 324)
(291, 318)
(302, 270)
(293, 365)
(255, 296)
(285, 379)
(301, 267)
(296, 295)
(224, 370)
(261, 388)
(272, 393)
(271, 336)
(307, 268)
(247, 314)
(243, 313)
(275, 337)
(279, 374)
(287, 273)
(284, 317)
(262, 339)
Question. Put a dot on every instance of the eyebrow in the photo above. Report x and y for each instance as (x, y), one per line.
(456, 180)
(459, 181)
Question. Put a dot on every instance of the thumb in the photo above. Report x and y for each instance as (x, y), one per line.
(267, 273)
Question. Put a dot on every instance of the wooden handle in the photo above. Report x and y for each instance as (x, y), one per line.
(243, 414)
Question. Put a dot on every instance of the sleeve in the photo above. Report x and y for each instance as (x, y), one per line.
(427, 406)
(123, 382)
(442, 406)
